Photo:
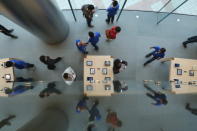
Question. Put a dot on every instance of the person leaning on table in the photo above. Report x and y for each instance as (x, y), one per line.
(19, 64)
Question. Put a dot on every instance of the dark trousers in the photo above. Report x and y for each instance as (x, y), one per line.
(28, 65)
(21, 79)
(57, 59)
(110, 18)
(190, 40)
(150, 60)
(6, 121)
(95, 46)
(89, 20)
(192, 110)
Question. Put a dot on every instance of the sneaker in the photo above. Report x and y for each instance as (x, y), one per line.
(96, 48)
(184, 45)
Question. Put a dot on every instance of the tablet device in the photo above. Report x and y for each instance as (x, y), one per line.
(179, 72)
(89, 63)
(7, 76)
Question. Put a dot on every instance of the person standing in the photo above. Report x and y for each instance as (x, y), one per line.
(50, 62)
(189, 40)
(19, 64)
(111, 33)
(159, 97)
(157, 54)
(112, 11)
(192, 110)
(112, 120)
(81, 46)
(88, 11)
(6, 121)
(7, 32)
(119, 65)
(94, 39)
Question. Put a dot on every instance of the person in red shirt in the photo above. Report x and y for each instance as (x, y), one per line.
(111, 33)
(113, 120)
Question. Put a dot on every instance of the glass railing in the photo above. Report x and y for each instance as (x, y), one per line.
(188, 8)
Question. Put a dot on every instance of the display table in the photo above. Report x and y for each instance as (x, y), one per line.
(182, 75)
(98, 75)
(6, 74)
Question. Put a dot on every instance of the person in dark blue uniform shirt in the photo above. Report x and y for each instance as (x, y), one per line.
(112, 11)
(157, 54)
(94, 39)
(19, 64)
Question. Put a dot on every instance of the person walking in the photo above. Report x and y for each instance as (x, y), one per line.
(82, 104)
(81, 46)
(19, 64)
(112, 11)
(157, 54)
(49, 61)
(192, 110)
(189, 40)
(94, 112)
(49, 90)
(7, 32)
(94, 39)
(112, 33)
(6, 121)
(88, 11)
(159, 97)
(113, 120)
(119, 65)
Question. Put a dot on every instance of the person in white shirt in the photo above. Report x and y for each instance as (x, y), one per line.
(69, 76)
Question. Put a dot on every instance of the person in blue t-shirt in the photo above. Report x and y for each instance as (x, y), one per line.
(94, 39)
(159, 97)
(158, 53)
(81, 46)
(19, 64)
(112, 11)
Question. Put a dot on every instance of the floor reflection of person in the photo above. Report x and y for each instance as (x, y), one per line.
(49, 90)
(6, 121)
(120, 86)
(192, 110)
(18, 90)
(159, 97)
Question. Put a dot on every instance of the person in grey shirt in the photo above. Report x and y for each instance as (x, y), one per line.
(88, 11)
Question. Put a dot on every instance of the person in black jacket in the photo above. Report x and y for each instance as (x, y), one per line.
(88, 11)
(49, 62)
(119, 65)
(189, 40)
(7, 32)
(6, 121)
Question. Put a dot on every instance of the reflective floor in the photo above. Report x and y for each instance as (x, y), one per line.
(133, 107)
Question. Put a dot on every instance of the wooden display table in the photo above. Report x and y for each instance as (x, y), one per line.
(182, 75)
(3, 72)
(98, 75)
